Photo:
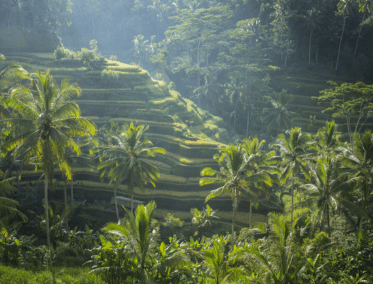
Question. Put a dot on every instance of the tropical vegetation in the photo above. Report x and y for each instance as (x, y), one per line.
(269, 110)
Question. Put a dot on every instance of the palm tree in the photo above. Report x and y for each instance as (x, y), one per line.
(292, 157)
(277, 114)
(312, 20)
(327, 139)
(233, 175)
(11, 74)
(206, 92)
(364, 6)
(358, 159)
(47, 121)
(283, 261)
(216, 258)
(140, 231)
(75, 160)
(260, 164)
(344, 9)
(234, 90)
(326, 185)
(126, 159)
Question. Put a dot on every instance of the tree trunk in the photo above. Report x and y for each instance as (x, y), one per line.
(248, 124)
(287, 52)
(17, 179)
(233, 217)
(358, 37)
(309, 47)
(199, 79)
(116, 202)
(340, 43)
(124, 24)
(93, 26)
(47, 211)
(328, 219)
(235, 114)
(251, 211)
(292, 200)
(132, 201)
(65, 197)
(72, 190)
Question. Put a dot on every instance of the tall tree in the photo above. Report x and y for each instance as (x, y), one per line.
(327, 140)
(293, 154)
(126, 159)
(93, 7)
(344, 9)
(365, 6)
(358, 159)
(234, 91)
(207, 92)
(47, 120)
(233, 175)
(350, 100)
(312, 20)
(277, 113)
(281, 29)
(261, 164)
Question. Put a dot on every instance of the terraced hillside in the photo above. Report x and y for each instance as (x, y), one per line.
(303, 85)
(190, 135)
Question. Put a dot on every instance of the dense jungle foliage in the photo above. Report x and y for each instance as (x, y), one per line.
(302, 150)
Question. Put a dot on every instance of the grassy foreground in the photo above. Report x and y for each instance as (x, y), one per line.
(9, 275)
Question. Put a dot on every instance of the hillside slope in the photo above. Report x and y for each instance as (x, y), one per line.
(190, 135)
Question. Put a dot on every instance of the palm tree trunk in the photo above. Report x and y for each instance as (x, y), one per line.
(65, 197)
(328, 220)
(235, 114)
(124, 23)
(340, 43)
(17, 179)
(199, 79)
(93, 26)
(292, 200)
(47, 210)
(251, 211)
(358, 37)
(248, 124)
(132, 201)
(233, 217)
(72, 190)
(116, 202)
(309, 47)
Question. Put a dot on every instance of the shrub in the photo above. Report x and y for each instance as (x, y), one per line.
(61, 52)
(109, 77)
(86, 55)
(173, 222)
(113, 58)
(97, 62)
(93, 45)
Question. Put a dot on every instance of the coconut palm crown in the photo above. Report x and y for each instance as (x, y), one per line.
(126, 158)
(234, 175)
